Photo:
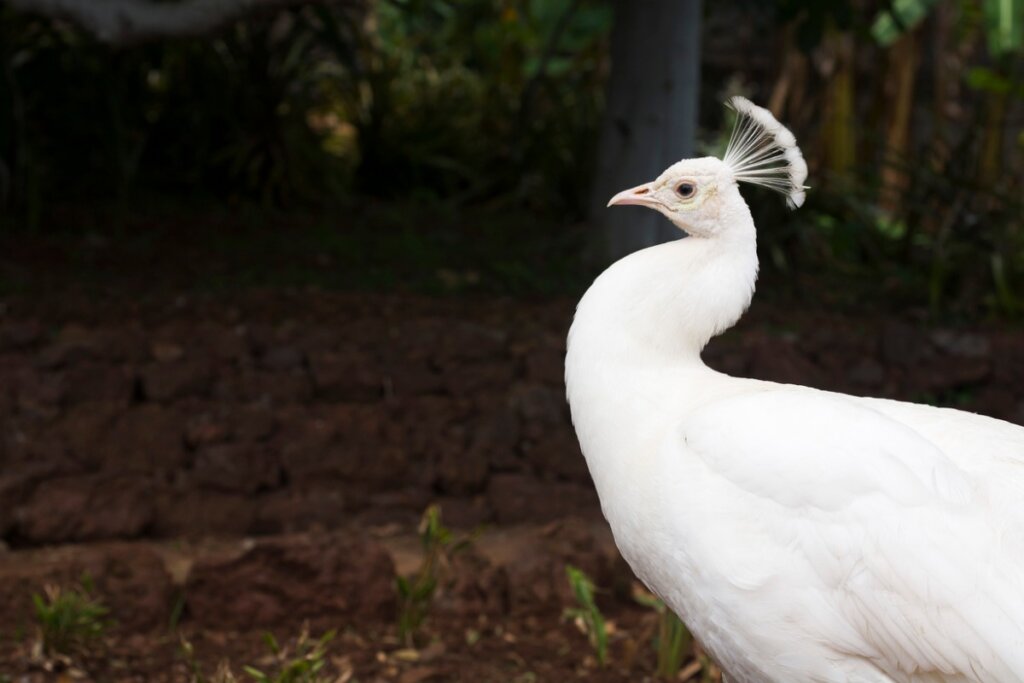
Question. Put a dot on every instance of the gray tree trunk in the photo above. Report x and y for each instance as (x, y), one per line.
(650, 118)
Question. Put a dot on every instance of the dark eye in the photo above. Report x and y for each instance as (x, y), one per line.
(686, 190)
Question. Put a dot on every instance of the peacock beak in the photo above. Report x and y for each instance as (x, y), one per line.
(641, 195)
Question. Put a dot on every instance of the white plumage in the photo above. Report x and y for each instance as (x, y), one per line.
(802, 535)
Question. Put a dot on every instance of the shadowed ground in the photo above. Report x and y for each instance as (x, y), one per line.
(227, 462)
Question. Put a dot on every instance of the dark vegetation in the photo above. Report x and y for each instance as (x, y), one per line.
(475, 123)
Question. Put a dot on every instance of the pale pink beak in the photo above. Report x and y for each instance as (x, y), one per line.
(641, 195)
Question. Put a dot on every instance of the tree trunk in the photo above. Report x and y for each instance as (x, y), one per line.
(903, 58)
(839, 141)
(650, 117)
(787, 97)
(990, 165)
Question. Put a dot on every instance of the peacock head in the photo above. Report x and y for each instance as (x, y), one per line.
(697, 194)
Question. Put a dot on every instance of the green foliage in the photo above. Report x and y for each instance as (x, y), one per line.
(586, 614)
(416, 593)
(1005, 26)
(177, 610)
(69, 620)
(303, 665)
(673, 641)
(1004, 23)
(223, 673)
(929, 214)
(990, 80)
(225, 115)
(899, 17)
(478, 99)
(673, 644)
(466, 99)
(955, 247)
(494, 105)
(415, 596)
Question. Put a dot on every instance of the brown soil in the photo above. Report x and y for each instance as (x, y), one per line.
(497, 616)
(245, 463)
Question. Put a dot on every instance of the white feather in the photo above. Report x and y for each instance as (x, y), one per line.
(804, 536)
(763, 152)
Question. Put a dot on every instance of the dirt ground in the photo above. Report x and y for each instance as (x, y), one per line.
(227, 464)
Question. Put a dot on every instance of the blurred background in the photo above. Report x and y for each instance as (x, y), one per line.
(295, 271)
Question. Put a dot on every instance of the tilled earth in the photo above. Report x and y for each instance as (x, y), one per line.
(227, 465)
(497, 616)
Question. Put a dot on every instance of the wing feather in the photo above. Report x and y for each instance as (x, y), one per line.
(915, 567)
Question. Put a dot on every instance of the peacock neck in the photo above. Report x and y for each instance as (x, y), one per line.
(634, 346)
(666, 302)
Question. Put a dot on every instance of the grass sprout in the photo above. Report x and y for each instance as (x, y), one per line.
(69, 621)
(586, 615)
(416, 592)
(222, 674)
(672, 642)
(301, 664)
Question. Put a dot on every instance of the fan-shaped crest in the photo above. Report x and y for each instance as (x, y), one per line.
(763, 152)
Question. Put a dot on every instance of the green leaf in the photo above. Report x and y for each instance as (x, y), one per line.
(255, 674)
(87, 583)
(1004, 26)
(425, 589)
(988, 80)
(271, 642)
(583, 588)
(900, 17)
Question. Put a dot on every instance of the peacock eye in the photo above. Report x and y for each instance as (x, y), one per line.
(686, 190)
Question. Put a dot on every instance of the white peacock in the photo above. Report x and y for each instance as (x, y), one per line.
(802, 535)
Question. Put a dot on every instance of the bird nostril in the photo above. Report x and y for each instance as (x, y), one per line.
(642, 190)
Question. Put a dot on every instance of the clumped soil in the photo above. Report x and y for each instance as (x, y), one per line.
(498, 614)
(274, 412)
(227, 464)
